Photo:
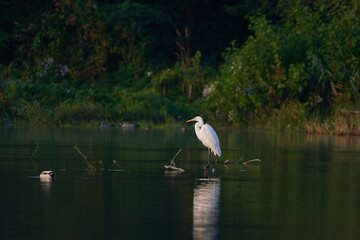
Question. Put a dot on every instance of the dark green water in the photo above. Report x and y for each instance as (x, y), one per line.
(306, 187)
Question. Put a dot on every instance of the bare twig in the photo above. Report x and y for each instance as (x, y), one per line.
(184, 47)
(253, 160)
(37, 147)
(172, 163)
(90, 166)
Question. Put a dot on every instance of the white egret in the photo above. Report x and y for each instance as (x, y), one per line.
(207, 135)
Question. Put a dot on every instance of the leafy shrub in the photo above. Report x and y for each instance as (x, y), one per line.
(147, 106)
(310, 56)
(181, 80)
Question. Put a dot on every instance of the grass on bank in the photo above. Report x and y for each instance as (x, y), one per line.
(90, 114)
(87, 105)
(293, 116)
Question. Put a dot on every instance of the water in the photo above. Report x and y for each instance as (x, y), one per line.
(305, 187)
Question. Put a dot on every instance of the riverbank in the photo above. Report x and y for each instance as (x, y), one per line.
(344, 122)
(339, 122)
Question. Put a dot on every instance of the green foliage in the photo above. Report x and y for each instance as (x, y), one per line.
(67, 62)
(63, 104)
(82, 40)
(312, 56)
(133, 28)
(69, 35)
(148, 107)
(181, 79)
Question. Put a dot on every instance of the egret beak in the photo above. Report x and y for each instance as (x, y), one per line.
(191, 120)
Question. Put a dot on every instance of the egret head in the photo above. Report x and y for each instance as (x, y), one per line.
(197, 119)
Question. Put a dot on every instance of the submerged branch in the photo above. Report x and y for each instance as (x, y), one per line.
(172, 163)
(89, 165)
(253, 160)
(174, 168)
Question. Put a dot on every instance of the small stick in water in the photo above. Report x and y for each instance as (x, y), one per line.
(90, 166)
(37, 147)
(253, 160)
(172, 163)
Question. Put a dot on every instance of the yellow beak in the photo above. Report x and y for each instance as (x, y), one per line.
(191, 120)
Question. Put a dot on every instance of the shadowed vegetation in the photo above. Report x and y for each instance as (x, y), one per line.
(288, 64)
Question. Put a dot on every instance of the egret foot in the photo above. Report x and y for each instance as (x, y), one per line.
(207, 166)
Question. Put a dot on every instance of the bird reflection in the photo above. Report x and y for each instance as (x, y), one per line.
(46, 184)
(206, 209)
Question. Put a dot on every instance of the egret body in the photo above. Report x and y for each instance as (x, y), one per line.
(207, 135)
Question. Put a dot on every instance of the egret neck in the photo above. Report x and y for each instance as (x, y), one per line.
(198, 126)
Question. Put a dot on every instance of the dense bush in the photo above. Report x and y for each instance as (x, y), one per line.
(69, 62)
(182, 79)
(311, 56)
(66, 104)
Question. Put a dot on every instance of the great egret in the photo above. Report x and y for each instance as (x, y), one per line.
(207, 135)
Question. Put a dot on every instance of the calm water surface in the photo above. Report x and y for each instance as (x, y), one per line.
(305, 187)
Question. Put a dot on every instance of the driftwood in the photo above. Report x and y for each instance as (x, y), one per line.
(172, 165)
(174, 168)
(244, 163)
(253, 160)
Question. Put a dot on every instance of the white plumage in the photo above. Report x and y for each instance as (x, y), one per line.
(207, 135)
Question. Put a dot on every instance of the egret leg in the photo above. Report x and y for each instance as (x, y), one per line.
(207, 166)
(206, 173)
(209, 159)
